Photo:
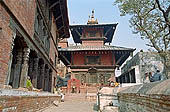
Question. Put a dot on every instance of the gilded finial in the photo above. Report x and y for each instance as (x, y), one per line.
(91, 19)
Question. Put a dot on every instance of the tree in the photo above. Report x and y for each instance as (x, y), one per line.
(150, 19)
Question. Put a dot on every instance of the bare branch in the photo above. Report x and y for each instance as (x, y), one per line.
(165, 13)
(149, 45)
(154, 6)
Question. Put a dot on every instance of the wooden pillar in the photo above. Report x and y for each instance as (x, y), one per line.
(24, 71)
(39, 79)
(42, 73)
(17, 70)
(10, 64)
(30, 69)
(46, 79)
(35, 73)
(72, 59)
(50, 81)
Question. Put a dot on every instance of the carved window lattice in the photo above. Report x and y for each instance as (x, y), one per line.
(92, 60)
(41, 30)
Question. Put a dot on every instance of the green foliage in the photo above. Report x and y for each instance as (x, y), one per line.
(150, 19)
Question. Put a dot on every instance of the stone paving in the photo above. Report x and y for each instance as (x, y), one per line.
(73, 104)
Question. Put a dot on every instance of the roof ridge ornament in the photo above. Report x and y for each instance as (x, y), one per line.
(91, 19)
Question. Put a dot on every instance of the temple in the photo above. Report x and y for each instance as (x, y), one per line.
(91, 61)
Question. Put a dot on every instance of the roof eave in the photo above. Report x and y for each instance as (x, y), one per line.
(63, 13)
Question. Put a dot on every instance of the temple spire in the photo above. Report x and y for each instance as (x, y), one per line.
(91, 19)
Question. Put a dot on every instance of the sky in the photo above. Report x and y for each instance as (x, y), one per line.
(106, 12)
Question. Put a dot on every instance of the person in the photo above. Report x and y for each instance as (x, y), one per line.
(55, 90)
(146, 79)
(156, 76)
(29, 84)
(61, 94)
(111, 83)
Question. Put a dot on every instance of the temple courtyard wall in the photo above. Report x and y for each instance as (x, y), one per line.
(25, 101)
(149, 97)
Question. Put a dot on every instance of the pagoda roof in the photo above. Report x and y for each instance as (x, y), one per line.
(109, 29)
(95, 48)
(121, 53)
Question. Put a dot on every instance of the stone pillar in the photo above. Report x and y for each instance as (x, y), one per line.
(35, 73)
(17, 70)
(46, 79)
(24, 71)
(130, 77)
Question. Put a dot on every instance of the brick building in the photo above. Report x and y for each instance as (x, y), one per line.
(29, 33)
(91, 60)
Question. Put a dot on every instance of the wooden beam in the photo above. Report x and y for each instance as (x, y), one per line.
(78, 33)
(58, 18)
(54, 4)
(107, 31)
(60, 28)
(62, 36)
(120, 59)
(66, 59)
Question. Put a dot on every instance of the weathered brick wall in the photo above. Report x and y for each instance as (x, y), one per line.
(151, 97)
(144, 103)
(24, 11)
(5, 46)
(26, 103)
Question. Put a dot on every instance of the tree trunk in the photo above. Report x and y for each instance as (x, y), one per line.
(166, 62)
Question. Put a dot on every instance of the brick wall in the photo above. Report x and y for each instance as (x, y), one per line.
(63, 44)
(151, 97)
(5, 46)
(78, 59)
(24, 11)
(93, 43)
(29, 102)
(144, 103)
(106, 59)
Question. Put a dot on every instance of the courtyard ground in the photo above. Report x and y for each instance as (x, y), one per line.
(73, 103)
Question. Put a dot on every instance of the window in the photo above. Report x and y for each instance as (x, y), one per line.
(93, 60)
(92, 34)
